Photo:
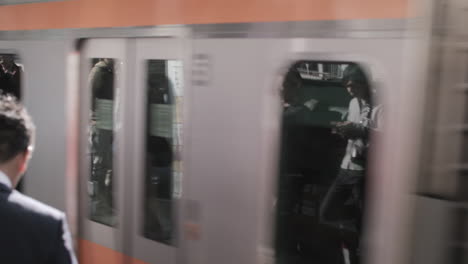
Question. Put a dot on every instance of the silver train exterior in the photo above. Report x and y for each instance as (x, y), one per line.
(232, 76)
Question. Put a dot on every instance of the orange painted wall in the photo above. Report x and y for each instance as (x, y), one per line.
(120, 13)
(92, 253)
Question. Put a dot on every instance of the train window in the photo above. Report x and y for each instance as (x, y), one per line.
(327, 118)
(10, 74)
(101, 128)
(163, 148)
(11, 70)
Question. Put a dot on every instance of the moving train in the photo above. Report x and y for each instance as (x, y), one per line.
(162, 125)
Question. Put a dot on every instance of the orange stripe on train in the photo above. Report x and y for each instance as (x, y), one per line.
(122, 13)
(92, 253)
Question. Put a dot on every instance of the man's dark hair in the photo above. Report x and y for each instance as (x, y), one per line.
(16, 128)
(356, 74)
(292, 86)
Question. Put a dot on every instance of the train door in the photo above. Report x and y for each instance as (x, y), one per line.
(234, 116)
(238, 110)
(156, 101)
(102, 161)
(131, 158)
(335, 196)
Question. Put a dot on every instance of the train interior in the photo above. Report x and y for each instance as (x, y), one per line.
(314, 98)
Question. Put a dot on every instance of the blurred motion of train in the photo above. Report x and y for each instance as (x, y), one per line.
(171, 131)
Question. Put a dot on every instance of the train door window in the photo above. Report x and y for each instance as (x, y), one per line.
(11, 70)
(163, 148)
(327, 118)
(101, 127)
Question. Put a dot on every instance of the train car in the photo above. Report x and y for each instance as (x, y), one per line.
(173, 132)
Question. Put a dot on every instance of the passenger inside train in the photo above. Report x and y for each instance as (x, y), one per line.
(100, 189)
(159, 154)
(327, 116)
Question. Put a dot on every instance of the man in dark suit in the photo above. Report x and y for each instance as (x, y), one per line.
(30, 231)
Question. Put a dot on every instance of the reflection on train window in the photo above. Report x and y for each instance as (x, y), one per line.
(101, 80)
(163, 148)
(327, 119)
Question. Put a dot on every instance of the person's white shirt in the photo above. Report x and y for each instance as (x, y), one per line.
(359, 114)
(5, 180)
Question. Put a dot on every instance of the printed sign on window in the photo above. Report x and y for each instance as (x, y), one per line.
(161, 120)
(104, 114)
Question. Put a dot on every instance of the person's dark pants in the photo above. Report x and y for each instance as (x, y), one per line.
(290, 191)
(342, 206)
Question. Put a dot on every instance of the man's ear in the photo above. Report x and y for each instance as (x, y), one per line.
(23, 161)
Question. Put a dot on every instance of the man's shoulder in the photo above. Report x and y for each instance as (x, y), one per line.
(30, 205)
(354, 101)
(353, 105)
(40, 231)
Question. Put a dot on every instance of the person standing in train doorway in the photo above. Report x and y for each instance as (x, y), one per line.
(30, 231)
(101, 80)
(343, 204)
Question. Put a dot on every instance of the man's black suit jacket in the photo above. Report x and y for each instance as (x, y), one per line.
(32, 232)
